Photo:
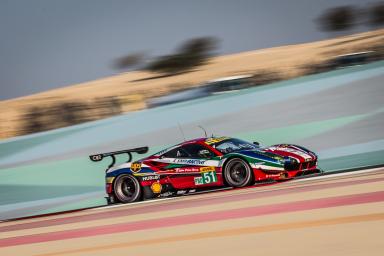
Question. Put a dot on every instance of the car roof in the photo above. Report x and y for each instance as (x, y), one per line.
(203, 139)
(197, 140)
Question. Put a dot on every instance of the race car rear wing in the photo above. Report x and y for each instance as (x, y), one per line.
(99, 157)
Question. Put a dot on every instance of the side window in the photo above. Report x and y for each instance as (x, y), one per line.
(176, 153)
(197, 151)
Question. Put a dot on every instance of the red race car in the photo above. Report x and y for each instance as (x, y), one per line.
(200, 164)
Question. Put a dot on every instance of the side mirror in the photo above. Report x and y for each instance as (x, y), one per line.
(256, 143)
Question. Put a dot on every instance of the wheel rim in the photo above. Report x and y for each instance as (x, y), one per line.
(127, 189)
(238, 173)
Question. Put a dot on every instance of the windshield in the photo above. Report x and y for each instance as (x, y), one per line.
(231, 145)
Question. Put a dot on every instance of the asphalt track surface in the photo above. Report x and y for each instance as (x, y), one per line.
(339, 214)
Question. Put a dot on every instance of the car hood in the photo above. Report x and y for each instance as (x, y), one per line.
(280, 153)
(260, 155)
(298, 153)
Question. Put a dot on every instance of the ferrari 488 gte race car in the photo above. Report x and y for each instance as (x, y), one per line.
(200, 164)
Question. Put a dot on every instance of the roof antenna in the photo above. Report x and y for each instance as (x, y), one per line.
(205, 132)
(181, 130)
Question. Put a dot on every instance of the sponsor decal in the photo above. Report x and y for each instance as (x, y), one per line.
(135, 167)
(190, 161)
(186, 170)
(181, 192)
(161, 152)
(156, 187)
(210, 141)
(206, 178)
(187, 161)
(166, 194)
(207, 169)
(96, 157)
(150, 177)
(265, 166)
(198, 180)
(109, 179)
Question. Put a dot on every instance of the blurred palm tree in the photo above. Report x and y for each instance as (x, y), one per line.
(192, 53)
(129, 61)
(338, 19)
(376, 15)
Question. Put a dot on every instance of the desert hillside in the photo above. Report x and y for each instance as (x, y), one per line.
(132, 89)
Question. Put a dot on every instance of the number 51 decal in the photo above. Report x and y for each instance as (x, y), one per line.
(206, 178)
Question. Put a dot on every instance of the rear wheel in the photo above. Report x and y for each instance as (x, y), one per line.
(127, 188)
(238, 173)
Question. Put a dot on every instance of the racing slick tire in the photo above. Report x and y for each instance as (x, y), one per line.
(238, 173)
(147, 193)
(127, 188)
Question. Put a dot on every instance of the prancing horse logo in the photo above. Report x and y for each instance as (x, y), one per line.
(135, 167)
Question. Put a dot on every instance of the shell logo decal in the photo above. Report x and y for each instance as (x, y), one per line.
(156, 187)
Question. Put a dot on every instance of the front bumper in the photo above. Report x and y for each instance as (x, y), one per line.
(289, 173)
(295, 166)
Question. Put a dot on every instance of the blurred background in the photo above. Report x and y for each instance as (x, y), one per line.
(150, 50)
(78, 78)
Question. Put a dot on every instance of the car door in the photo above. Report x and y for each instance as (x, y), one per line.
(195, 169)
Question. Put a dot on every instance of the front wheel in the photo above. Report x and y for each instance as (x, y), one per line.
(238, 173)
(127, 188)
